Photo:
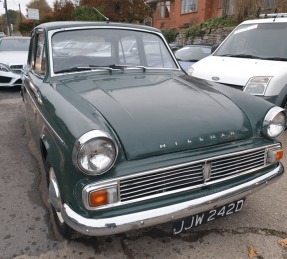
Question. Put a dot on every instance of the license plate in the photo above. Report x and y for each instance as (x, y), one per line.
(207, 216)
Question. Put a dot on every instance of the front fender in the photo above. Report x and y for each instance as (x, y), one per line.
(254, 108)
(282, 97)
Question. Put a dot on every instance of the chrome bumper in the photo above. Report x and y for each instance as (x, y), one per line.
(110, 226)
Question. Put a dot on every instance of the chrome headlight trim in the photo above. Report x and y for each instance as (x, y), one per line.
(87, 138)
(257, 85)
(269, 121)
(190, 71)
(4, 68)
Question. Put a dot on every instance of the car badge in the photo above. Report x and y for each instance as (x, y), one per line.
(206, 171)
(215, 78)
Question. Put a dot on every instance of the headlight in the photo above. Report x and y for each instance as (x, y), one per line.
(274, 122)
(257, 85)
(95, 152)
(190, 71)
(4, 68)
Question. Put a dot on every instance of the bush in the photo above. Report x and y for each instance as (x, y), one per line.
(170, 34)
(26, 27)
(204, 28)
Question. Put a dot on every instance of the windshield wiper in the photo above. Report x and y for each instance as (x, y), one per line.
(93, 67)
(276, 58)
(73, 69)
(240, 56)
(191, 60)
(112, 66)
(84, 68)
(116, 66)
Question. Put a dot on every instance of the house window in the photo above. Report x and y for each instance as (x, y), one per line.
(188, 6)
(229, 8)
(270, 4)
(164, 9)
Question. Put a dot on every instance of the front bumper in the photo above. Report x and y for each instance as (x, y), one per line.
(114, 225)
(9, 79)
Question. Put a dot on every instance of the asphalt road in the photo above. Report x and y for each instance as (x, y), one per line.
(27, 230)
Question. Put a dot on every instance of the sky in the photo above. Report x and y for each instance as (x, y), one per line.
(14, 5)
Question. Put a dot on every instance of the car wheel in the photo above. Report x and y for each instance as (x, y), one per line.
(55, 201)
(62, 227)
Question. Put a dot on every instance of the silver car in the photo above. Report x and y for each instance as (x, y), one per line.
(13, 56)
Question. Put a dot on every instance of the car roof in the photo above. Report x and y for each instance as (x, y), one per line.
(198, 45)
(266, 20)
(14, 37)
(69, 24)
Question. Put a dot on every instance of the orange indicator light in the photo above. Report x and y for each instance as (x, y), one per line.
(98, 198)
(279, 154)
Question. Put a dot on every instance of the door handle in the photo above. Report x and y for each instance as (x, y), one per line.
(36, 92)
(39, 98)
(35, 89)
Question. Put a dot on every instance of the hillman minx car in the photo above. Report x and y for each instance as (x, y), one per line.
(128, 140)
(253, 58)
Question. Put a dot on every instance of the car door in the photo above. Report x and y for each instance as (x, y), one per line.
(33, 76)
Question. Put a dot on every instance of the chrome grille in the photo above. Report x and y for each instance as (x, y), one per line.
(159, 182)
(16, 69)
(237, 164)
(183, 177)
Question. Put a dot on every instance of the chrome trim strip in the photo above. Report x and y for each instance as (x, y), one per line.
(47, 123)
(51, 32)
(123, 223)
(101, 184)
(271, 114)
(93, 134)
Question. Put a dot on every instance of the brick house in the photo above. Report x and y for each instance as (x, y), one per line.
(183, 13)
(167, 14)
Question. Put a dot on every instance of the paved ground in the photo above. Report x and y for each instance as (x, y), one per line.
(28, 232)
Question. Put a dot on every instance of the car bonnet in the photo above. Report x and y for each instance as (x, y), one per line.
(236, 71)
(157, 114)
(13, 57)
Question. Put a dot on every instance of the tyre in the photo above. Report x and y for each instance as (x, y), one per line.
(62, 227)
(56, 203)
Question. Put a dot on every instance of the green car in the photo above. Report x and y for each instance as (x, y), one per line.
(129, 140)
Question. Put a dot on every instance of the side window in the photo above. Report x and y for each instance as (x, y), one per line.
(31, 57)
(39, 65)
(128, 51)
(156, 53)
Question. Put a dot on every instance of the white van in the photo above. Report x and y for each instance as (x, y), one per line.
(253, 58)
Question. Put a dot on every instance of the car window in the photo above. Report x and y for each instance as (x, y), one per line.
(40, 57)
(263, 40)
(128, 51)
(17, 44)
(102, 47)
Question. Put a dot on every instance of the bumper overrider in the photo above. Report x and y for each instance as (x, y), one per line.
(123, 223)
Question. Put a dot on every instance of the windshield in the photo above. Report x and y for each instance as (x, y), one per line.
(109, 47)
(263, 41)
(9, 44)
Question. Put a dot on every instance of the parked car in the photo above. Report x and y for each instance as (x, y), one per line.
(13, 56)
(253, 59)
(189, 54)
(175, 46)
(131, 143)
